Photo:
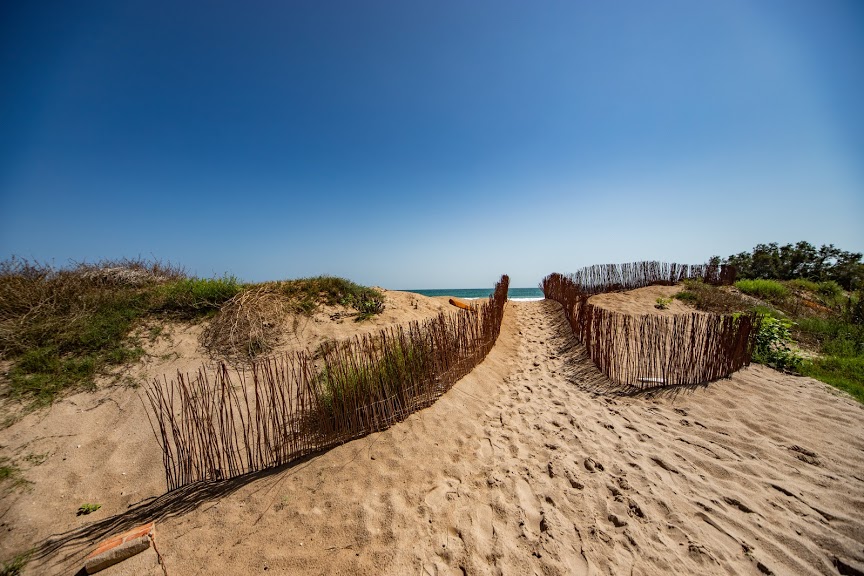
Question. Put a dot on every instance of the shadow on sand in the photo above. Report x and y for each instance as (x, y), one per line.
(70, 547)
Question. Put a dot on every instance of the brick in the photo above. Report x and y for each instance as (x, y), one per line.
(119, 548)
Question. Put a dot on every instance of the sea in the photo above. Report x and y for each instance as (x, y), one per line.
(523, 294)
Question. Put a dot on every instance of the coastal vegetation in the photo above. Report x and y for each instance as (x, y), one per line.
(14, 566)
(769, 290)
(87, 508)
(812, 303)
(801, 261)
(61, 327)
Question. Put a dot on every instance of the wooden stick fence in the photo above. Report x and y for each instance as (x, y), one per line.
(602, 278)
(224, 423)
(652, 350)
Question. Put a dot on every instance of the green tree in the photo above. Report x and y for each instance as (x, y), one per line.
(801, 260)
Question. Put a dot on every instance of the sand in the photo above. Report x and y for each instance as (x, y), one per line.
(643, 301)
(531, 464)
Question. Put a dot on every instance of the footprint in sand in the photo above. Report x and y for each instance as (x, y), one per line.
(573, 479)
(438, 496)
(530, 507)
(482, 527)
(485, 451)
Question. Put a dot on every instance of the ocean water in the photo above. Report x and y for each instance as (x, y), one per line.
(524, 294)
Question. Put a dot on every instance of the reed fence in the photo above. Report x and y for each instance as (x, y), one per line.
(223, 423)
(651, 350)
(602, 278)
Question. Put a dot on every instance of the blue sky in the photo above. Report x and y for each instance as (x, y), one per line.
(428, 145)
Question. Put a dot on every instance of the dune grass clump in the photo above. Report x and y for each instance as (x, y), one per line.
(14, 566)
(192, 297)
(710, 298)
(770, 290)
(306, 294)
(88, 508)
(833, 335)
(662, 303)
(345, 383)
(804, 284)
(839, 340)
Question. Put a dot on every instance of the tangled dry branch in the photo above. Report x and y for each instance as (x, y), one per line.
(248, 325)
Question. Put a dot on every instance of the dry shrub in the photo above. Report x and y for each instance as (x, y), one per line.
(248, 325)
(60, 327)
(41, 305)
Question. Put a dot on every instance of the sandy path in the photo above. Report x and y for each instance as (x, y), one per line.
(531, 466)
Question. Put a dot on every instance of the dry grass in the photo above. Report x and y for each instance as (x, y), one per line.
(60, 327)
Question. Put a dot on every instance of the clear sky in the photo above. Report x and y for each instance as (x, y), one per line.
(428, 144)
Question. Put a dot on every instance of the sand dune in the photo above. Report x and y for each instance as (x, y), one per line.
(532, 464)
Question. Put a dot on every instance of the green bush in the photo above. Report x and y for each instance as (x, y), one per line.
(829, 288)
(687, 296)
(662, 303)
(804, 284)
(855, 309)
(772, 344)
(770, 290)
(88, 508)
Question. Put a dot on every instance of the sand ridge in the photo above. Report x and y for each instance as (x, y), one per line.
(533, 464)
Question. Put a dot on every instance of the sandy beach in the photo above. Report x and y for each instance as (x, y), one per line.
(531, 464)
